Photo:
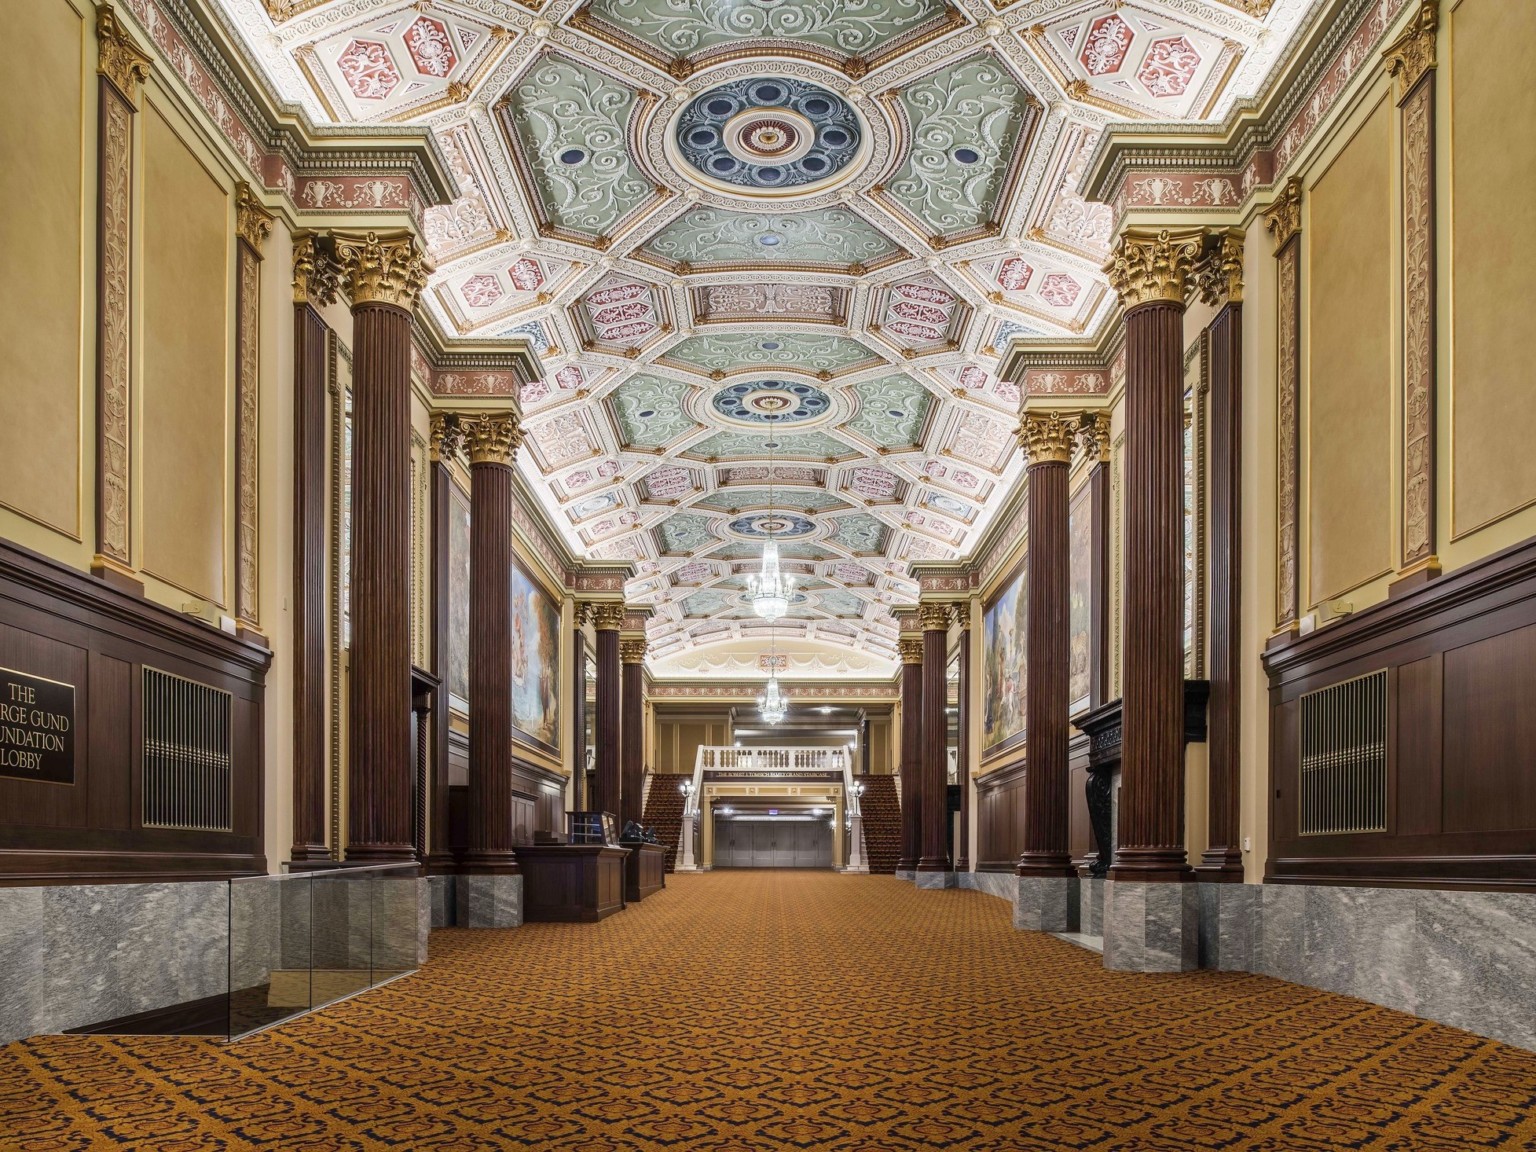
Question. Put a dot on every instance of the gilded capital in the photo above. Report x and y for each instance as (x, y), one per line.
(1093, 435)
(911, 648)
(632, 651)
(447, 437)
(1148, 266)
(252, 221)
(934, 617)
(387, 269)
(315, 275)
(493, 437)
(1283, 217)
(962, 611)
(1219, 277)
(1046, 437)
(118, 55)
(607, 615)
(1413, 53)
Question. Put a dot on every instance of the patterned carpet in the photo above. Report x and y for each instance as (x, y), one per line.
(763, 1010)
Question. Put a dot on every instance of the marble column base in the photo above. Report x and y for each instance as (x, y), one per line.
(1045, 903)
(1091, 906)
(905, 874)
(999, 884)
(488, 901)
(442, 889)
(1151, 927)
(934, 879)
(1230, 926)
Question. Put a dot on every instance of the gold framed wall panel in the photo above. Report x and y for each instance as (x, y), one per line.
(44, 232)
(1492, 165)
(1350, 356)
(185, 360)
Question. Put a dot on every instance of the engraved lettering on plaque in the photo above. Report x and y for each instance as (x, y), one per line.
(37, 728)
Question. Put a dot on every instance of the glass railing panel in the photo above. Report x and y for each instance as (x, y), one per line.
(395, 904)
(270, 924)
(341, 955)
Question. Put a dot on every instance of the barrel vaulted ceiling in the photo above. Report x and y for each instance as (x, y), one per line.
(768, 241)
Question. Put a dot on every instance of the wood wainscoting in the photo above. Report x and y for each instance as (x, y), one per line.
(1459, 656)
(1000, 811)
(538, 798)
(59, 624)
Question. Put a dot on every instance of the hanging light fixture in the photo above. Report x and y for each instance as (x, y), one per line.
(771, 705)
(771, 589)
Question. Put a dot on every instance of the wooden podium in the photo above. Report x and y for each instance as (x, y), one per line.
(571, 882)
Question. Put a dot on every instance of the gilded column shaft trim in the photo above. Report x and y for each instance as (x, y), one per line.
(381, 269)
(1283, 217)
(1047, 437)
(632, 651)
(607, 615)
(1418, 178)
(1412, 54)
(911, 648)
(493, 438)
(118, 55)
(114, 351)
(315, 274)
(934, 617)
(1147, 266)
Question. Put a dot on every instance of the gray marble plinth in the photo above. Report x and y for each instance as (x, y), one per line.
(1230, 926)
(80, 954)
(999, 884)
(397, 904)
(488, 901)
(1151, 927)
(935, 880)
(1090, 905)
(1045, 903)
(905, 874)
(441, 890)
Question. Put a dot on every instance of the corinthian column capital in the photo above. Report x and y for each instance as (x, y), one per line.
(1147, 266)
(1047, 437)
(1413, 53)
(607, 615)
(934, 616)
(252, 221)
(632, 651)
(493, 437)
(381, 269)
(1283, 217)
(911, 648)
(1219, 277)
(315, 275)
(118, 55)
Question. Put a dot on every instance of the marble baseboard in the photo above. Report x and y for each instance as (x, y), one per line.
(1046, 904)
(1230, 926)
(80, 954)
(1151, 927)
(440, 891)
(935, 880)
(1091, 906)
(999, 884)
(488, 901)
(905, 874)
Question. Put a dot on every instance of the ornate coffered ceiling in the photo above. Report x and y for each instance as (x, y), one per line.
(768, 242)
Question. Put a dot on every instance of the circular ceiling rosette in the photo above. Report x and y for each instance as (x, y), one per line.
(779, 525)
(772, 402)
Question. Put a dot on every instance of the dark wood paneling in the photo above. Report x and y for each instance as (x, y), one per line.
(572, 882)
(62, 624)
(537, 801)
(1461, 656)
(1000, 818)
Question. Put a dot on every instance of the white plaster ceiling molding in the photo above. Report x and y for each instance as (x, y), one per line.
(799, 223)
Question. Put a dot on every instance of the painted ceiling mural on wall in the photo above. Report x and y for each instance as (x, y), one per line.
(768, 242)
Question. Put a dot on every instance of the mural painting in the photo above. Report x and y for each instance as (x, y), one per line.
(1003, 632)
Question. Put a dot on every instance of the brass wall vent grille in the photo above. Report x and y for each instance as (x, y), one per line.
(187, 754)
(1344, 757)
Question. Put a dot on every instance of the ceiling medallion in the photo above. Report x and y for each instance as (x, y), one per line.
(779, 525)
(769, 136)
(772, 402)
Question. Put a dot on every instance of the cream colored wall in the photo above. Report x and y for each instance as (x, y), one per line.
(47, 214)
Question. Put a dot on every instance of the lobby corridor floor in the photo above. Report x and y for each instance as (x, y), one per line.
(779, 1010)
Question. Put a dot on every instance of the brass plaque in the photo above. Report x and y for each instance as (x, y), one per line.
(37, 728)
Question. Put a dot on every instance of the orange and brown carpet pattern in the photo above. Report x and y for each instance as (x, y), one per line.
(788, 1010)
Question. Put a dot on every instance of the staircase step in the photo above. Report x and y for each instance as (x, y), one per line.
(664, 812)
(881, 808)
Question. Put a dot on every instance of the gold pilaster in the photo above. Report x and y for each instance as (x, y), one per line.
(1219, 275)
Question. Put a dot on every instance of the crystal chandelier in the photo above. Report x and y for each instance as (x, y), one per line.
(770, 703)
(771, 589)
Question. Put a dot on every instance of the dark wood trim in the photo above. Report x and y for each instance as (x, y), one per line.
(963, 753)
(608, 792)
(1098, 497)
(1222, 860)
(911, 766)
(934, 775)
(439, 854)
(311, 493)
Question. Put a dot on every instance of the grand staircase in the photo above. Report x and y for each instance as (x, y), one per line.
(664, 813)
(882, 822)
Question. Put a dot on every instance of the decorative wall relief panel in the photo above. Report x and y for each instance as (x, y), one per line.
(1004, 628)
(458, 597)
(1080, 583)
(535, 662)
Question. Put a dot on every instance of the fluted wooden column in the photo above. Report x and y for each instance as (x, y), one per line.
(1221, 284)
(963, 754)
(607, 792)
(911, 752)
(1047, 439)
(631, 728)
(579, 700)
(935, 775)
(1151, 271)
(314, 286)
(447, 444)
(493, 440)
(383, 275)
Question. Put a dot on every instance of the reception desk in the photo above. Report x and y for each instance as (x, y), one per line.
(571, 882)
(645, 871)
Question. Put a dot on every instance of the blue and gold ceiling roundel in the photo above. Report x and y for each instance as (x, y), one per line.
(772, 402)
(769, 134)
